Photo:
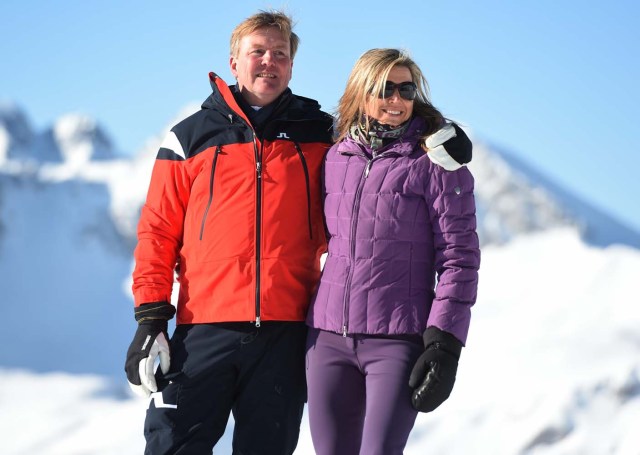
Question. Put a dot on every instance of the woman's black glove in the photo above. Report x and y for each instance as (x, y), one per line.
(434, 373)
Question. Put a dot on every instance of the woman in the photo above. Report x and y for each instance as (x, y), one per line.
(384, 338)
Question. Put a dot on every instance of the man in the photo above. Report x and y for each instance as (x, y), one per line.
(234, 208)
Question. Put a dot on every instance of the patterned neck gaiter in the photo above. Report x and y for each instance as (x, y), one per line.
(378, 134)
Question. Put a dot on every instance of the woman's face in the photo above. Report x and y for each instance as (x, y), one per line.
(392, 110)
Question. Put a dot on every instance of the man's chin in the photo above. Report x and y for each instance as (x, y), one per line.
(269, 87)
(269, 93)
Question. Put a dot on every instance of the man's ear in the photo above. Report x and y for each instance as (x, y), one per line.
(232, 65)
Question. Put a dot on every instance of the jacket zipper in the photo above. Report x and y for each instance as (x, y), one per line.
(257, 152)
(258, 156)
(352, 245)
(308, 185)
(352, 235)
(213, 171)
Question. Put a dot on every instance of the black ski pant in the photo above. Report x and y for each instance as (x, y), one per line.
(256, 373)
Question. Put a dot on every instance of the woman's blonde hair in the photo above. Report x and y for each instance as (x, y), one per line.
(368, 77)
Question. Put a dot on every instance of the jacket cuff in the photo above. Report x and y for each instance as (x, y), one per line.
(154, 311)
(435, 338)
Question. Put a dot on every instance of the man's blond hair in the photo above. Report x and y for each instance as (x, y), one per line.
(272, 18)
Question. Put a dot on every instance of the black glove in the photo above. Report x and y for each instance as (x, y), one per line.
(449, 147)
(459, 147)
(150, 342)
(434, 373)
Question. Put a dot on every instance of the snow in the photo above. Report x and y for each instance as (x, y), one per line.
(80, 139)
(63, 266)
(553, 356)
(552, 364)
(551, 367)
(512, 198)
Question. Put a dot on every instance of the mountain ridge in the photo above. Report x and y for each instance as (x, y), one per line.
(512, 197)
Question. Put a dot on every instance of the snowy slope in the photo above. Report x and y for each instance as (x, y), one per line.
(552, 367)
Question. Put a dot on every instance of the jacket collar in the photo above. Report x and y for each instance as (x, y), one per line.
(404, 145)
(288, 105)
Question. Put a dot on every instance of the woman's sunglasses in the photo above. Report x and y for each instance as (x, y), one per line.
(406, 90)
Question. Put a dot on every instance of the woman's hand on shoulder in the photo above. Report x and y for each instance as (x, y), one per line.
(449, 147)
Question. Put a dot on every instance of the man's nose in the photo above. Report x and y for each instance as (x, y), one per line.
(267, 58)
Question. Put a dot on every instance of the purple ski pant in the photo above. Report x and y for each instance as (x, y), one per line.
(359, 399)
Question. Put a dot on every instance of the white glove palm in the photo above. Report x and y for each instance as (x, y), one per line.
(146, 367)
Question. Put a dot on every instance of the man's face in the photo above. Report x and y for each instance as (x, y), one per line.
(263, 66)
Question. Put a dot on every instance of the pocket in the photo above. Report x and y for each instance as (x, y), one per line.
(305, 169)
(214, 161)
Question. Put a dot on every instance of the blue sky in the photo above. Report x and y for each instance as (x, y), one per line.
(555, 83)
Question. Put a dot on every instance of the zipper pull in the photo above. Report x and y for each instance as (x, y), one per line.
(259, 169)
(344, 331)
(368, 168)
(257, 321)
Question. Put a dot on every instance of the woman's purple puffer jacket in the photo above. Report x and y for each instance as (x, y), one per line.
(396, 220)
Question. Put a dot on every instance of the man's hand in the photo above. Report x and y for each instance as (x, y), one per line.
(150, 342)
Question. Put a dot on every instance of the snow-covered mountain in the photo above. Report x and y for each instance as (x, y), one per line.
(553, 362)
(63, 262)
(16, 136)
(68, 211)
(513, 198)
(74, 139)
